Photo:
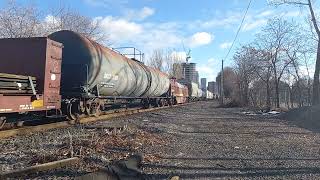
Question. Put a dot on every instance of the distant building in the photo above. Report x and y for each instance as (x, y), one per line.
(212, 87)
(203, 84)
(186, 72)
(196, 78)
(190, 73)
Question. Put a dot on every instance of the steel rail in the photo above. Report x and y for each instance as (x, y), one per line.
(64, 124)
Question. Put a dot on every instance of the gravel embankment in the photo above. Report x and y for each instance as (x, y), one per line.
(196, 141)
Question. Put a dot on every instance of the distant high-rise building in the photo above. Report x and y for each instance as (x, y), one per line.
(189, 72)
(212, 87)
(196, 78)
(203, 84)
(186, 72)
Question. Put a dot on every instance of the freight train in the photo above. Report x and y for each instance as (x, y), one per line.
(69, 75)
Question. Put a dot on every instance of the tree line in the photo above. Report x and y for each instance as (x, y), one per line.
(22, 21)
(274, 69)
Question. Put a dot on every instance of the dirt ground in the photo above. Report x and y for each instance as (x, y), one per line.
(195, 141)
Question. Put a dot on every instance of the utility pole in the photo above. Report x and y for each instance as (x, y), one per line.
(221, 85)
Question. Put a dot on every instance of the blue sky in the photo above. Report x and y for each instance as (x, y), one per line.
(207, 27)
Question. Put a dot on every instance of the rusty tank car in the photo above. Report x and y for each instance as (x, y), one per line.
(91, 72)
(178, 91)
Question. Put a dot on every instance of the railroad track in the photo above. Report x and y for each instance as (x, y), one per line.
(64, 124)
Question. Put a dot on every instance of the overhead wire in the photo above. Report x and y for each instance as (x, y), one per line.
(235, 38)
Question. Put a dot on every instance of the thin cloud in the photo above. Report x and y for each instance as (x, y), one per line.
(265, 13)
(106, 3)
(225, 45)
(119, 29)
(209, 69)
(200, 39)
(140, 14)
(254, 24)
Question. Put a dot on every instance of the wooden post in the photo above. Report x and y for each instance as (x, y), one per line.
(221, 86)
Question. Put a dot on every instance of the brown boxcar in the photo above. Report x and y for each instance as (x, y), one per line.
(31, 57)
(179, 92)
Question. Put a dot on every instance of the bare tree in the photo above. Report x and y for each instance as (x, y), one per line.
(166, 61)
(177, 69)
(229, 83)
(308, 78)
(262, 67)
(244, 68)
(157, 59)
(278, 51)
(66, 19)
(19, 21)
(174, 65)
(308, 3)
(276, 38)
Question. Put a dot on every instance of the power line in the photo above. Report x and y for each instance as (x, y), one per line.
(235, 38)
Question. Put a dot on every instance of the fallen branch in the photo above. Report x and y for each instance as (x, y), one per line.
(39, 168)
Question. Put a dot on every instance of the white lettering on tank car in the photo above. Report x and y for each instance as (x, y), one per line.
(107, 76)
(107, 84)
(115, 78)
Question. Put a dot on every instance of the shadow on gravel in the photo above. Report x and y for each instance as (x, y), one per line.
(240, 159)
(220, 171)
(237, 172)
(305, 117)
(293, 171)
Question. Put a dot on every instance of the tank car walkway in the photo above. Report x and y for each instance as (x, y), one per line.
(196, 141)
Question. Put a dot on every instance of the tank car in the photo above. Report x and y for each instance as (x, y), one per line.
(209, 95)
(193, 91)
(95, 77)
(201, 94)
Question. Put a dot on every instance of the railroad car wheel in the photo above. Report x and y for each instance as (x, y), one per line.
(146, 104)
(3, 121)
(88, 109)
(156, 103)
(70, 111)
(95, 109)
(81, 107)
(160, 102)
(175, 102)
(19, 123)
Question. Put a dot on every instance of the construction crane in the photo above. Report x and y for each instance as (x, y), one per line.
(188, 54)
